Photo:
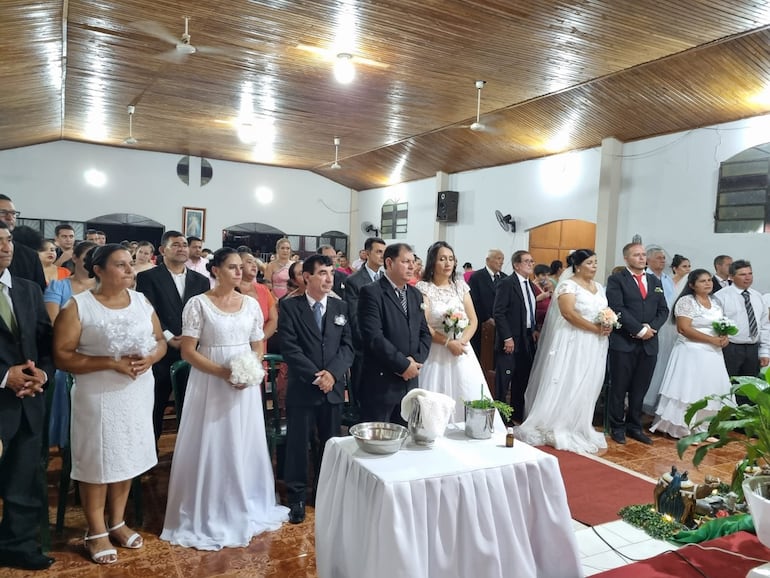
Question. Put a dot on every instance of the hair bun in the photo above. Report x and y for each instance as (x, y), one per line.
(569, 259)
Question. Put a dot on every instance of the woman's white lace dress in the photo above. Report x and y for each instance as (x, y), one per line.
(567, 377)
(459, 377)
(111, 433)
(221, 491)
(694, 371)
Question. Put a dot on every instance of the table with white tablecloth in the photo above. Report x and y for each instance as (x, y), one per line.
(463, 508)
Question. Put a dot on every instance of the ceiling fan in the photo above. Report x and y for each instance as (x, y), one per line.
(478, 126)
(183, 45)
(130, 140)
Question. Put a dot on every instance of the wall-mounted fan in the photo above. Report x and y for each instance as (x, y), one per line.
(506, 222)
(368, 228)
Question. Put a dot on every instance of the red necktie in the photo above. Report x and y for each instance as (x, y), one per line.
(639, 282)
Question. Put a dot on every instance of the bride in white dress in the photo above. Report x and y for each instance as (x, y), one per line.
(221, 491)
(696, 367)
(568, 370)
(451, 367)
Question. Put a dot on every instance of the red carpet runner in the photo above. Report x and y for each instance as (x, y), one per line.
(595, 491)
(709, 563)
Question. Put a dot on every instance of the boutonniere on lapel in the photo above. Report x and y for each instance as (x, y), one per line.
(422, 306)
(340, 320)
(658, 289)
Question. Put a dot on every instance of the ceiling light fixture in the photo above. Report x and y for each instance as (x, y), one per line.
(130, 140)
(336, 165)
(344, 71)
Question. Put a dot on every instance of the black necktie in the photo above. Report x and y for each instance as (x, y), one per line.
(496, 278)
(750, 314)
(530, 301)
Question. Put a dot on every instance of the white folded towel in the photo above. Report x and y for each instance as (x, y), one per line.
(435, 409)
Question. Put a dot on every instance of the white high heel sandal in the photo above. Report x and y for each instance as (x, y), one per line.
(134, 540)
(102, 556)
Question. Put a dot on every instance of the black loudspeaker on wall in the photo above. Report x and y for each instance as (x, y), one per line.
(446, 206)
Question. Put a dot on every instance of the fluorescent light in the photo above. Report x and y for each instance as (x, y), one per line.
(95, 178)
(264, 195)
(344, 71)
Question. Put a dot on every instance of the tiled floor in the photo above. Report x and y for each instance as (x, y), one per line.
(289, 552)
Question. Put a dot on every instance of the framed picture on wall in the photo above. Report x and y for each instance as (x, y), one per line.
(194, 222)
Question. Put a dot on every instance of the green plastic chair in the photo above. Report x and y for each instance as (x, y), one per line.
(275, 423)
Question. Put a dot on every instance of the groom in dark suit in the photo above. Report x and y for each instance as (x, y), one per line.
(317, 346)
(516, 332)
(395, 335)
(25, 364)
(639, 300)
(168, 287)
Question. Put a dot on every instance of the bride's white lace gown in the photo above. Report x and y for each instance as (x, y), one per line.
(221, 490)
(567, 377)
(459, 377)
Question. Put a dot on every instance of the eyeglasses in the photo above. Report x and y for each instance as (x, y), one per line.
(528, 261)
(4, 213)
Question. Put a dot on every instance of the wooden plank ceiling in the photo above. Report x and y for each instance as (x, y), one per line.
(559, 76)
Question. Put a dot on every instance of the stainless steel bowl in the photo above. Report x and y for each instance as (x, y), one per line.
(376, 437)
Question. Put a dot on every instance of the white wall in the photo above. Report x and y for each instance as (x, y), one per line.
(669, 195)
(46, 181)
(534, 192)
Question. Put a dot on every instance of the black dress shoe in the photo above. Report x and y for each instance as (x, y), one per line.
(618, 437)
(26, 560)
(639, 436)
(297, 512)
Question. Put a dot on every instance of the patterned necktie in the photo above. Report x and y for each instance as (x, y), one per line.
(642, 288)
(402, 298)
(317, 315)
(6, 313)
(750, 314)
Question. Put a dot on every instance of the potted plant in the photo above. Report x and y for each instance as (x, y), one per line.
(480, 415)
(752, 418)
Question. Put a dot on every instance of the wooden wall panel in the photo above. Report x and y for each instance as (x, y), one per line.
(577, 234)
(547, 236)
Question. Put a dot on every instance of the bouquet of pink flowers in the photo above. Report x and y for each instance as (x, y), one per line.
(455, 321)
(725, 326)
(608, 318)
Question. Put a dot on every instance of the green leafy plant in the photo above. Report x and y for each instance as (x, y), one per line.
(656, 525)
(485, 402)
(752, 418)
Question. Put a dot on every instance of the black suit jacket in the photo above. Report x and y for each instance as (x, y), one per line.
(160, 290)
(624, 297)
(483, 294)
(339, 283)
(34, 342)
(510, 311)
(306, 350)
(389, 336)
(715, 285)
(26, 264)
(353, 285)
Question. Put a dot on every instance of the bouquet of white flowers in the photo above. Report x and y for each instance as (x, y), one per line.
(126, 336)
(455, 321)
(246, 368)
(608, 318)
